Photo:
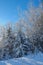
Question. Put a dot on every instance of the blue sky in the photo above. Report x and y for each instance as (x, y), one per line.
(9, 9)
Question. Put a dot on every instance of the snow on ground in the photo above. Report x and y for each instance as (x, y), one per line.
(36, 59)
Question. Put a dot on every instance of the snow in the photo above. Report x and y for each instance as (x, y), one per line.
(36, 59)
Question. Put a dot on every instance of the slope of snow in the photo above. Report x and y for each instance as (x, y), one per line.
(26, 60)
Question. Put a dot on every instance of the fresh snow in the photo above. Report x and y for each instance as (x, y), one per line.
(32, 59)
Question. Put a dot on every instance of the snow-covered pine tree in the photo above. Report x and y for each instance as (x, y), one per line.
(9, 43)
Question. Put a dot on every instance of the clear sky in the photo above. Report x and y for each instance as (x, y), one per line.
(9, 9)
